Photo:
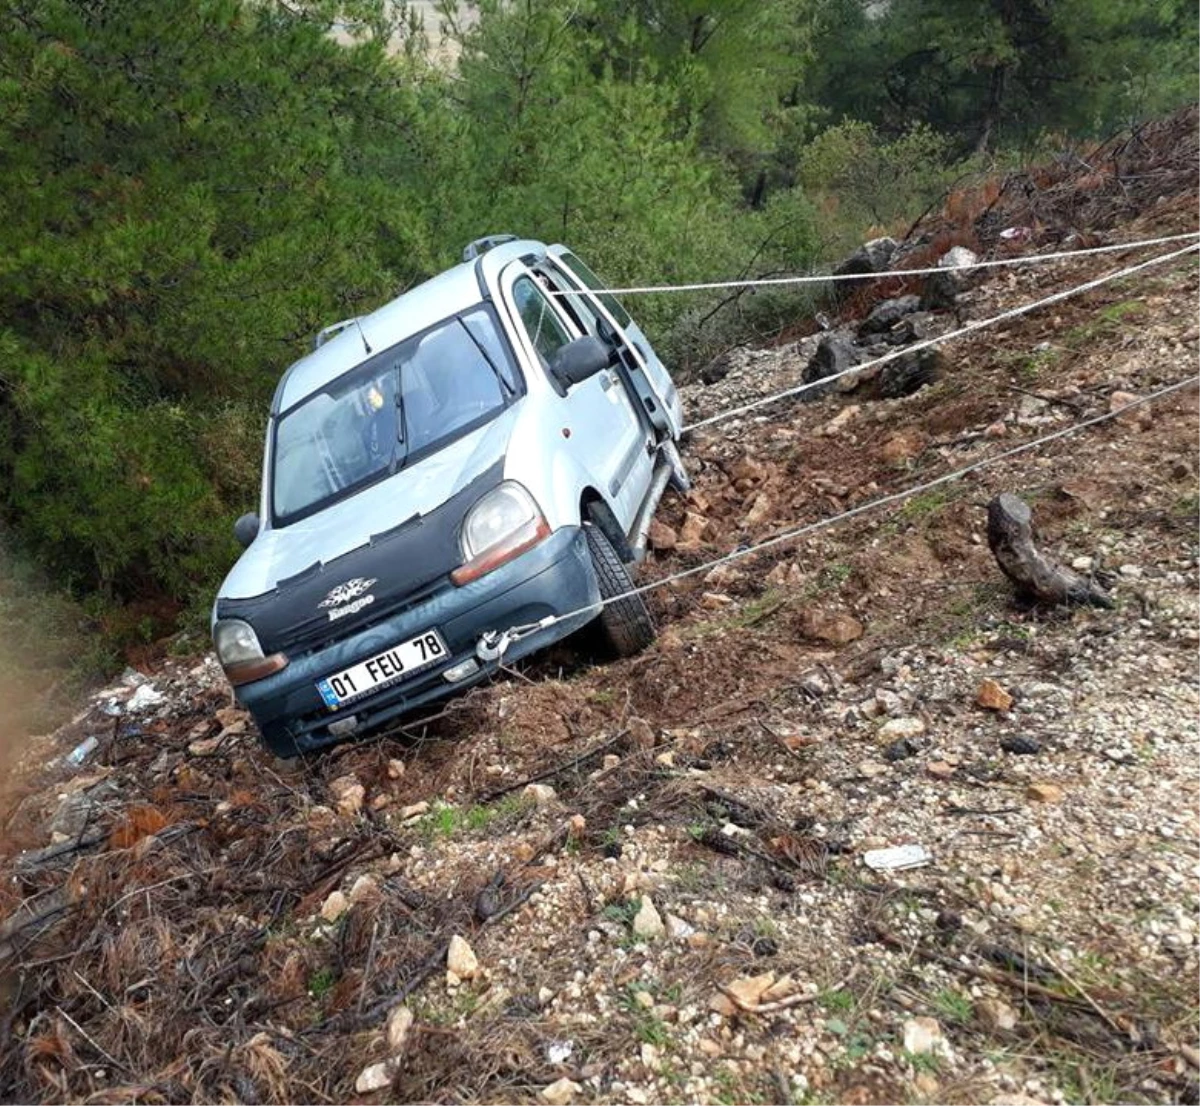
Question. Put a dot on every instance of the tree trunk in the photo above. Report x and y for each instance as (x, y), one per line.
(1010, 536)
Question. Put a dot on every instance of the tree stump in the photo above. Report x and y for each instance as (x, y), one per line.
(1010, 537)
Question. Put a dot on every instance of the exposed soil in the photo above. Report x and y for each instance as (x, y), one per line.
(189, 920)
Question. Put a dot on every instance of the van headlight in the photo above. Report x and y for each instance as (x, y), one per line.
(502, 525)
(241, 655)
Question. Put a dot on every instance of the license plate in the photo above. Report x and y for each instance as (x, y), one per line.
(383, 669)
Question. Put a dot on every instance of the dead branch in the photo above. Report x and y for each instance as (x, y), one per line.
(1010, 536)
(557, 770)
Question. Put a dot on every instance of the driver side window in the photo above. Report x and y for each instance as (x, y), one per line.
(546, 331)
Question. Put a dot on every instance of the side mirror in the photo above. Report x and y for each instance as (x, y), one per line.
(246, 529)
(580, 360)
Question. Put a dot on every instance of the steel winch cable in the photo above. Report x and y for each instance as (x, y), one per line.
(887, 274)
(938, 339)
(501, 640)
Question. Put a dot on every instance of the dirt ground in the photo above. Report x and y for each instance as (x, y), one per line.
(658, 879)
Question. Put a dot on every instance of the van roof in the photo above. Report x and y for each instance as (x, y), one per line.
(446, 294)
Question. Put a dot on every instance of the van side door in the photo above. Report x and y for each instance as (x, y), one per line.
(651, 382)
(595, 416)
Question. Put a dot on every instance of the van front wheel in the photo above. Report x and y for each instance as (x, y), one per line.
(626, 623)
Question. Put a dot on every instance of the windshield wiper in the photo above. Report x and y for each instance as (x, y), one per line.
(400, 454)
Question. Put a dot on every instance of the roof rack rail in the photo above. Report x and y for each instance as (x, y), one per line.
(482, 245)
(328, 332)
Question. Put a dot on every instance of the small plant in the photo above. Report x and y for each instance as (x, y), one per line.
(927, 504)
(840, 1001)
(623, 912)
(953, 1005)
(320, 983)
(924, 1061)
(834, 576)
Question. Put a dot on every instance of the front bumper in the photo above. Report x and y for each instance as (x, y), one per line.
(550, 579)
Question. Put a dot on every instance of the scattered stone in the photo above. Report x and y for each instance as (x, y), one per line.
(996, 1015)
(1044, 793)
(539, 793)
(460, 959)
(896, 728)
(205, 747)
(365, 890)
(411, 813)
(1083, 564)
(911, 373)
(903, 446)
(833, 355)
(641, 734)
(399, 1022)
(560, 1092)
(839, 421)
(395, 769)
(814, 682)
(940, 769)
(1141, 416)
(887, 314)
(647, 923)
(349, 794)
(923, 1036)
(836, 627)
(375, 1077)
(900, 750)
(576, 824)
(334, 907)
(692, 531)
(997, 429)
(715, 600)
(320, 818)
(1021, 746)
(871, 257)
(992, 696)
(678, 929)
(662, 536)
(871, 769)
(925, 1083)
(760, 510)
(749, 990)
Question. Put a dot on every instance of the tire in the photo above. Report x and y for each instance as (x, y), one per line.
(625, 625)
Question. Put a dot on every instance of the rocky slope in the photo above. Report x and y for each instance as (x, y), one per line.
(673, 878)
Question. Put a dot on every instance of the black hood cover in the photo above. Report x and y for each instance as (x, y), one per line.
(393, 570)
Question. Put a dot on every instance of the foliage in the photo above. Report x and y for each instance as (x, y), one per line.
(191, 188)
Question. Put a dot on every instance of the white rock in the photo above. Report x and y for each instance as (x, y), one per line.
(996, 1014)
(399, 1022)
(647, 922)
(364, 889)
(560, 1092)
(375, 1077)
(334, 907)
(349, 793)
(922, 1036)
(540, 793)
(896, 728)
(460, 959)
(678, 929)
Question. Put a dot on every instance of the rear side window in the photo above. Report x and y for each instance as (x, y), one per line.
(590, 280)
(546, 331)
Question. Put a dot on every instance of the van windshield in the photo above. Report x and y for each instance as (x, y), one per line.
(391, 410)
